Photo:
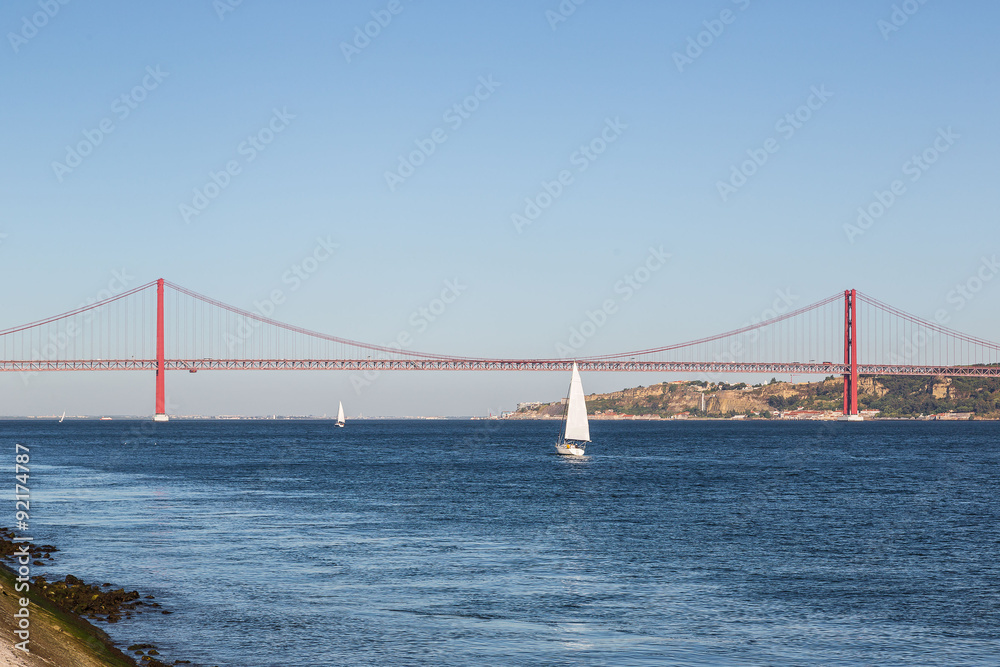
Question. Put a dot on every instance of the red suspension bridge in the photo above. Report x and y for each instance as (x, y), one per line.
(161, 326)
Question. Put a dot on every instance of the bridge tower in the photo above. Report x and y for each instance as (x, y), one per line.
(161, 401)
(851, 352)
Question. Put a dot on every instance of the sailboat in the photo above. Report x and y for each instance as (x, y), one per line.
(63, 417)
(340, 415)
(576, 429)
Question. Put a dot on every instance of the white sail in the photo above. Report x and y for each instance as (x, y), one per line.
(340, 413)
(577, 427)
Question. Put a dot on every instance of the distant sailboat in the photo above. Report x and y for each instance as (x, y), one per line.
(63, 417)
(576, 429)
(340, 415)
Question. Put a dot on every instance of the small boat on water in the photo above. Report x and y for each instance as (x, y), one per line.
(340, 415)
(63, 417)
(576, 429)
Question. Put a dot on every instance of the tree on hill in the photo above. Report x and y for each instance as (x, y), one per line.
(780, 402)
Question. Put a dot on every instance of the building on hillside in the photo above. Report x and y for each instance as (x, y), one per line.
(803, 414)
(950, 416)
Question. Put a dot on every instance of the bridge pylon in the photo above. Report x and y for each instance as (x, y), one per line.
(851, 352)
(161, 398)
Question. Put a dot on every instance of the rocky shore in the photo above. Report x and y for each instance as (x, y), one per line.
(61, 632)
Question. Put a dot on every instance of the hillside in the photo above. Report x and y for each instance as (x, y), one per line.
(892, 397)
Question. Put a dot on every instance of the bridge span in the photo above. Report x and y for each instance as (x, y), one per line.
(160, 327)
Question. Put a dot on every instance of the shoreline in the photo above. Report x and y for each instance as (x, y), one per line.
(60, 634)
(510, 417)
(774, 420)
(58, 637)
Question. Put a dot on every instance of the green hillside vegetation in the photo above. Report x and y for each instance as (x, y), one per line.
(906, 396)
(893, 396)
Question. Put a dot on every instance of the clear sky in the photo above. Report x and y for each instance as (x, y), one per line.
(319, 123)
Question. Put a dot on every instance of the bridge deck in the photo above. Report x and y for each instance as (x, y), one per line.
(422, 364)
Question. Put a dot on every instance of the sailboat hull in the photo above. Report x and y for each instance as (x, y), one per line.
(569, 449)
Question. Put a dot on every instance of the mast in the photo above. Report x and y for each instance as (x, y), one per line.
(562, 438)
(569, 394)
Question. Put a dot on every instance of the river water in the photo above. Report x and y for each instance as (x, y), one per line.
(470, 542)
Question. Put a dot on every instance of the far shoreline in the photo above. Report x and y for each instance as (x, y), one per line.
(511, 418)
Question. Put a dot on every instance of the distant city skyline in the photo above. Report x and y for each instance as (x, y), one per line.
(691, 164)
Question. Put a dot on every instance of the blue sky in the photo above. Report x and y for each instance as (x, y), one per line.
(209, 78)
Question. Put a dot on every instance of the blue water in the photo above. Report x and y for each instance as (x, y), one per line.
(464, 543)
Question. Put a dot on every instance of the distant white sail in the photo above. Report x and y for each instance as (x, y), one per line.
(577, 427)
(340, 413)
